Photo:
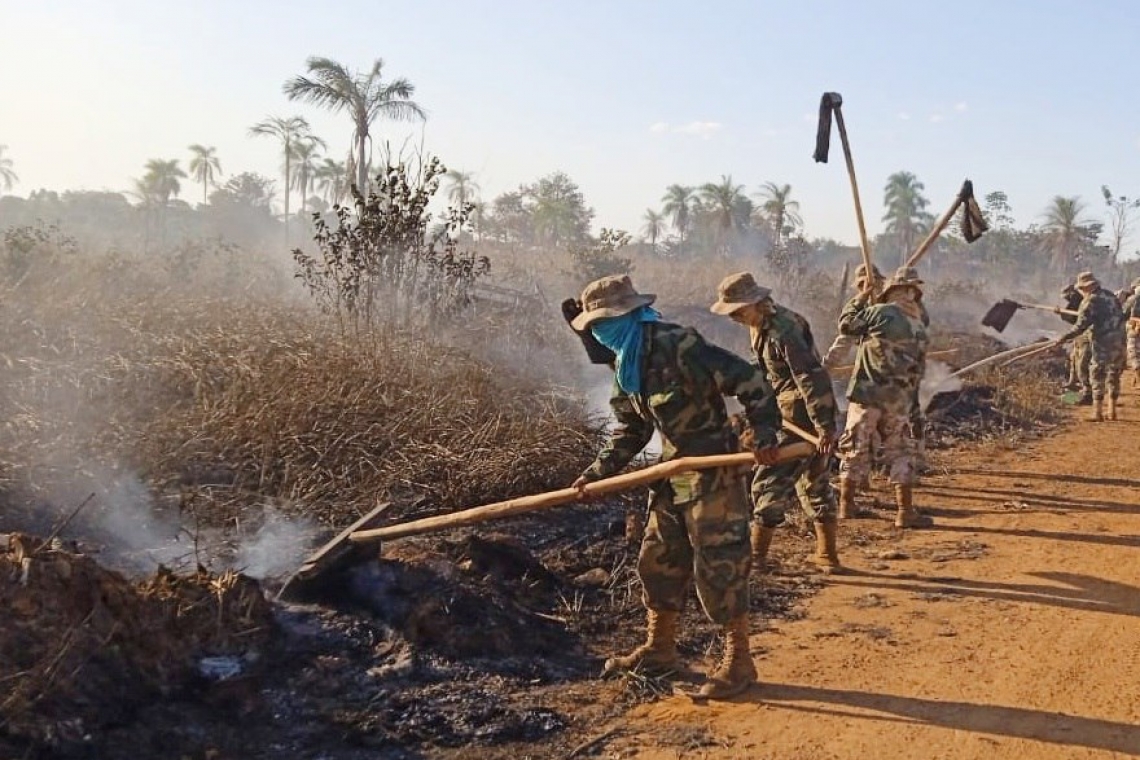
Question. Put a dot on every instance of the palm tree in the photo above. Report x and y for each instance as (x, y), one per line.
(1064, 225)
(463, 187)
(304, 158)
(365, 96)
(331, 178)
(203, 166)
(779, 210)
(678, 207)
(288, 131)
(158, 185)
(654, 226)
(725, 201)
(8, 177)
(907, 218)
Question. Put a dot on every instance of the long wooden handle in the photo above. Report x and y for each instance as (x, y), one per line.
(864, 244)
(1044, 307)
(1013, 352)
(935, 233)
(536, 502)
(1027, 354)
(795, 429)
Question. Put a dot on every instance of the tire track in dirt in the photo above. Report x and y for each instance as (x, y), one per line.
(1012, 630)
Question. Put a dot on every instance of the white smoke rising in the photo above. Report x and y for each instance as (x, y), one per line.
(278, 546)
(938, 379)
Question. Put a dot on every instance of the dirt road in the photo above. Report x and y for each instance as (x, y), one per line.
(1012, 630)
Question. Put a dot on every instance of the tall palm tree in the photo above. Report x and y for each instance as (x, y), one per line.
(203, 166)
(160, 181)
(8, 177)
(779, 210)
(158, 185)
(907, 218)
(305, 168)
(289, 132)
(1064, 225)
(725, 201)
(463, 187)
(332, 179)
(365, 95)
(678, 207)
(654, 226)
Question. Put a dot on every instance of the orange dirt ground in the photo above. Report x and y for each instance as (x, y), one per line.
(1012, 630)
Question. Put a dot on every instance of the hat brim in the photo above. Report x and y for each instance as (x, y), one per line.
(917, 284)
(726, 308)
(586, 318)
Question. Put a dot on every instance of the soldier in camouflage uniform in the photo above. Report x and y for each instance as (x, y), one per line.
(1132, 322)
(883, 390)
(1080, 355)
(669, 378)
(843, 345)
(784, 348)
(1101, 317)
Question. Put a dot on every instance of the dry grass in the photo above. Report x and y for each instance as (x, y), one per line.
(239, 399)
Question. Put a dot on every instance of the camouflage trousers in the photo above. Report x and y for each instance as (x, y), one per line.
(896, 433)
(1134, 349)
(1106, 367)
(705, 540)
(777, 488)
(1080, 357)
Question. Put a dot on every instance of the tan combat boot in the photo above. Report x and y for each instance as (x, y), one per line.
(761, 538)
(826, 547)
(908, 516)
(736, 671)
(1111, 411)
(847, 509)
(659, 652)
(1098, 410)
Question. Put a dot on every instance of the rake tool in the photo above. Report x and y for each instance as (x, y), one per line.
(351, 546)
(1001, 312)
(831, 104)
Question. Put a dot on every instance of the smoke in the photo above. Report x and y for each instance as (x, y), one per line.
(278, 546)
(938, 379)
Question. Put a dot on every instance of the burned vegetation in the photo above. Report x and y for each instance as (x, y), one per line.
(168, 458)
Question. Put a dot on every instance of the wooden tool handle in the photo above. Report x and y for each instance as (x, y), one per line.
(536, 502)
(934, 233)
(1044, 307)
(864, 244)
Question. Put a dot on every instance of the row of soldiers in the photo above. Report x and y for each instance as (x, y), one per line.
(1105, 336)
(702, 527)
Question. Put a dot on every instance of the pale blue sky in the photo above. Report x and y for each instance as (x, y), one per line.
(1033, 98)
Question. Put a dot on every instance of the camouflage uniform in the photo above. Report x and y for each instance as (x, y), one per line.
(1132, 322)
(883, 388)
(1080, 355)
(698, 522)
(1101, 318)
(786, 350)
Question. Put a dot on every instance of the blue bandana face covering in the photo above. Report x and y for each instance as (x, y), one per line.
(622, 335)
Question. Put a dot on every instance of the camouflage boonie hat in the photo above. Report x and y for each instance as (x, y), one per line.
(1087, 280)
(608, 297)
(737, 291)
(861, 272)
(903, 277)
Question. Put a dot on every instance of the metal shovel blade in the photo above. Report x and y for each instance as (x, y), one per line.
(999, 314)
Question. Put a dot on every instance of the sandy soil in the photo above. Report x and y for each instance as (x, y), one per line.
(1011, 630)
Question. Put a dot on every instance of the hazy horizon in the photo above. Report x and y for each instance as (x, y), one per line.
(625, 98)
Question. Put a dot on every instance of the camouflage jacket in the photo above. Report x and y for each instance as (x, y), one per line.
(1132, 307)
(1101, 315)
(891, 358)
(842, 345)
(786, 350)
(684, 381)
